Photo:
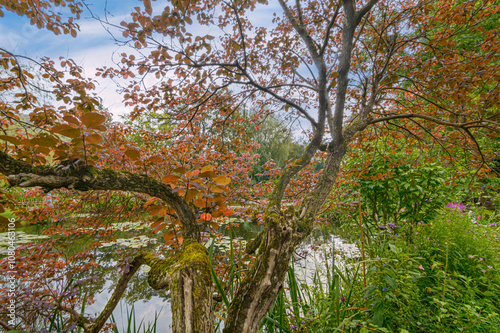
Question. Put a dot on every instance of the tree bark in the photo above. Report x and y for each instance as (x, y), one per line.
(258, 291)
(188, 274)
(189, 278)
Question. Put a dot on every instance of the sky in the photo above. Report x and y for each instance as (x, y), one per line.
(94, 46)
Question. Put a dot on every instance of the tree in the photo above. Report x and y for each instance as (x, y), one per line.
(342, 67)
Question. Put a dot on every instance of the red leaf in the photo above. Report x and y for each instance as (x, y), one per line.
(94, 139)
(71, 119)
(67, 130)
(14, 141)
(133, 154)
(170, 179)
(181, 170)
(92, 119)
(190, 194)
(206, 216)
(222, 180)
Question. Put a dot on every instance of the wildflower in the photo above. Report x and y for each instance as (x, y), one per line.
(471, 256)
(382, 227)
(421, 267)
(458, 205)
(490, 267)
(342, 299)
(493, 224)
(384, 289)
(391, 225)
(481, 259)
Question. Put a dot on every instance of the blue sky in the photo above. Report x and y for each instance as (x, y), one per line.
(93, 47)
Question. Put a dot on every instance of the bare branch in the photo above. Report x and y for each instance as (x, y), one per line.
(365, 9)
(121, 286)
(329, 29)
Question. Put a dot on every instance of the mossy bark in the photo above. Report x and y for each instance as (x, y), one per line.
(189, 279)
(258, 291)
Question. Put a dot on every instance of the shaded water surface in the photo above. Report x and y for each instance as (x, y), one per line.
(149, 305)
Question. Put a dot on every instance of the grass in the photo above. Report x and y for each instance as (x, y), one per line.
(131, 324)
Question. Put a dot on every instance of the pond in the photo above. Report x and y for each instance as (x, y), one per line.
(148, 306)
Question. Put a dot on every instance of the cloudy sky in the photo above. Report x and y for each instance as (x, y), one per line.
(94, 46)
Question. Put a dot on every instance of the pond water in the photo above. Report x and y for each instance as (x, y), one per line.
(149, 305)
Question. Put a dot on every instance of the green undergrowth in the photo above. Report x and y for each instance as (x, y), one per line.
(446, 279)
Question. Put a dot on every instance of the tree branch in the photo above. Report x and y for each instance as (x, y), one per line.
(366, 8)
(301, 30)
(117, 294)
(429, 118)
(329, 29)
(86, 178)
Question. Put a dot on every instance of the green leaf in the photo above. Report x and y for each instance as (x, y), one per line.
(378, 318)
(393, 248)
(391, 282)
(369, 291)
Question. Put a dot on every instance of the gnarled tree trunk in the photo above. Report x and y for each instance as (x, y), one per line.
(189, 279)
(259, 289)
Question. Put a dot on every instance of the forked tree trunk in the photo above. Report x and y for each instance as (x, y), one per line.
(259, 289)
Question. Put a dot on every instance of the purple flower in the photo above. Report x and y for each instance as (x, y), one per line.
(382, 227)
(391, 225)
(421, 267)
(342, 299)
(458, 205)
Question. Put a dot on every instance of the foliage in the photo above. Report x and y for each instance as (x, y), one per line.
(445, 281)
(350, 70)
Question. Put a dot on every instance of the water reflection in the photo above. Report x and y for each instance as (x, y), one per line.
(149, 304)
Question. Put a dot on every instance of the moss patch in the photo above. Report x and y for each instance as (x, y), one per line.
(192, 256)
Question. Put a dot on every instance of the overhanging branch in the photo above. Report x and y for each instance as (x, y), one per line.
(86, 178)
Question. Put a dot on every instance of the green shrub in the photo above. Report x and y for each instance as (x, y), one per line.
(446, 280)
